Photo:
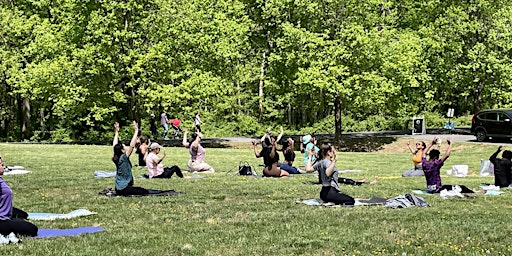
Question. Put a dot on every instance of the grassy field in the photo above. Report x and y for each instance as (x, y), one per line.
(224, 214)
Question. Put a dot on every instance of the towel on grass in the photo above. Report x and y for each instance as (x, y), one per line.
(421, 192)
(103, 174)
(359, 202)
(152, 192)
(45, 233)
(13, 172)
(54, 216)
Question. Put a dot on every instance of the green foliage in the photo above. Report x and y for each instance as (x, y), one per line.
(87, 65)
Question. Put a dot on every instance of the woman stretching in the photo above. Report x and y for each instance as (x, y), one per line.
(124, 177)
(416, 159)
(8, 222)
(432, 168)
(197, 152)
(326, 167)
(270, 158)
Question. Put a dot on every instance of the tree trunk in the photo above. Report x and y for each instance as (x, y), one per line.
(477, 97)
(337, 119)
(25, 124)
(262, 84)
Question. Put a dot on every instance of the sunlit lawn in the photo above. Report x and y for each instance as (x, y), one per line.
(224, 214)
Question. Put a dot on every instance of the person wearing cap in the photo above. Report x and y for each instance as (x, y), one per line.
(309, 142)
(124, 176)
(152, 125)
(197, 153)
(8, 222)
(155, 166)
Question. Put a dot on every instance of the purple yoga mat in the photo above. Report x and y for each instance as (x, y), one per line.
(43, 233)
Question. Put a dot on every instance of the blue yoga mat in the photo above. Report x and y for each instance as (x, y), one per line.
(44, 233)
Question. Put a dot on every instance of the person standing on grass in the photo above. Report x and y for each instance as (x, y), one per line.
(164, 121)
(124, 177)
(197, 153)
(9, 223)
(197, 121)
(152, 126)
(432, 168)
(154, 163)
(416, 159)
(502, 168)
(326, 167)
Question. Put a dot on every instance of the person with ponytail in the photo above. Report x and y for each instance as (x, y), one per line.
(124, 177)
(326, 167)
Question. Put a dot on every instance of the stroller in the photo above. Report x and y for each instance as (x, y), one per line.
(175, 124)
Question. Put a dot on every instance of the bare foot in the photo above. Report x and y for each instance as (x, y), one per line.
(363, 180)
(374, 181)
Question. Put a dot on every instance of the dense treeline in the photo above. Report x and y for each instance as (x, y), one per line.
(68, 68)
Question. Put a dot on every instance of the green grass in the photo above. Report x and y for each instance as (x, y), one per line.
(231, 215)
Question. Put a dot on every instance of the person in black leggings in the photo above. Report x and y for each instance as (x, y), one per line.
(10, 223)
(326, 167)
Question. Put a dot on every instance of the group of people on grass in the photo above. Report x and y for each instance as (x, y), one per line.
(148, 156)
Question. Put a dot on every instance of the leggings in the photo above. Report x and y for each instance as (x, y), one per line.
(330, 194)
(289, 169)
(132, 191)
(17, 226)
(168, 172)
(19, 214)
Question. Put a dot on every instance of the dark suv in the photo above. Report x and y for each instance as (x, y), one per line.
(495, 123)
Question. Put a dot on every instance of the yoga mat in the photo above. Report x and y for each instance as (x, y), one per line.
(45, 233)
(54, 216)
(103, 174)
(13, 172)
(152, 192)
(359, 202)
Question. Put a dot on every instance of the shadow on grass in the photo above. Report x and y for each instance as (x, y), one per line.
(360, 143)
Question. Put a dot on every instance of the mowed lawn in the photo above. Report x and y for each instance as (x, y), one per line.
(224, 214)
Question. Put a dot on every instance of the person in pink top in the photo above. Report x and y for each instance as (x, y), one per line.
(196, 162)
(155, 166)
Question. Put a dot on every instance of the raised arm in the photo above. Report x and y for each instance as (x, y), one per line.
(281, 132)
(273, 150)
(185, 142)
(495, 155)
(135, 127)
(256, 153)
(448, 151)
(309, 165)
(409, 146)
(424, 154)
(116, 134)
(195, 143)
(301, 147)
(330, 169)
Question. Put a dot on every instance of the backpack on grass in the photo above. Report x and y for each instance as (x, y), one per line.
(245, 169)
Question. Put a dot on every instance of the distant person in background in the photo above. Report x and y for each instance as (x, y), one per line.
(9, 223)
(502, 168)
(164, 121)
(141, 149)
(417, 153)
(197, 153)
(197, 121)
(155, 166)
(152, 126)
(124, 176)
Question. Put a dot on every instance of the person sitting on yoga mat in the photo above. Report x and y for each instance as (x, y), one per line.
(124, 177)
(432, 168)
(154, 163)
(326, 167)
(11, 218)
(197, 153)
(142, 149)
(417, 153)
(270, 158)
(502, 168)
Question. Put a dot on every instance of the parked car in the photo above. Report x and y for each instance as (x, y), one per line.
(492, 123)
